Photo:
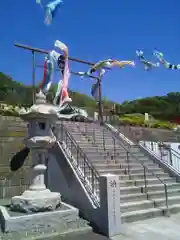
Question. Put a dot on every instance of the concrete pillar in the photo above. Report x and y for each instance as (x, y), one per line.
(110, 205)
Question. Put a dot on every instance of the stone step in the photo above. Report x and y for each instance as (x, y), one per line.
(132, 164)
(171, 201)
(145, 204)
(161, 175)
(135, 177)
(133, 197)
(112, 165)
(160, 186)
(117, 161)
(121, 155)
(90, 148)
(150, 188)
(140, 182)
(101, 156)
(148, 213)
(131, 189)
(85, 144)
(151, 195)
(134, 206)
(141, 215)
(119, 171)
(152, 181)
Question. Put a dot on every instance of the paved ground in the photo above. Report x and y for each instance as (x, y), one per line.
(152, 229)
(88, 236)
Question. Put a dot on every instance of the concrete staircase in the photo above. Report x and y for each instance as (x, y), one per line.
(138, 200)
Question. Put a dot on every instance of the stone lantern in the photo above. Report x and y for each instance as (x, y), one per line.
(41, 118)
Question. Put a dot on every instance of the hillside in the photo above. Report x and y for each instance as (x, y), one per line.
(160, 107)
(17, 94)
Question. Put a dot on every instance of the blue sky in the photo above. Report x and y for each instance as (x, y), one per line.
(95, 30)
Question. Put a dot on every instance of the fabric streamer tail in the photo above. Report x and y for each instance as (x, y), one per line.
(56, 100)
(121, 64)
(39, 2)
(51, 10)
(64, 96)
(65, 99)
(48, 17)
(48, 74)
(83, 74)
(159, 56)
(62, 47)
(148, 65)
(99, 65)
(168, 65)
(95, 91)
(140, 54)
(102, 72)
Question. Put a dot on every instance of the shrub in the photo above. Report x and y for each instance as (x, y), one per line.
(133, 121)
(138, 120)
(165, 125)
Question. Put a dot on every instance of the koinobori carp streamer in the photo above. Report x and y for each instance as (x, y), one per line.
(109, 63)
(148, 65)
(62, 90)
(53, 60)
(160, 57)
(49, 66)
(50, 10)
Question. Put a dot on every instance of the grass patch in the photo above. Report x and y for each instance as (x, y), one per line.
(138, 120)
(16, 134)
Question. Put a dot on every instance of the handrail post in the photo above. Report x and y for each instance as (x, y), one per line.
(84, 166)
(145, 182)
(167, 213)
(94, 138)
(152, 146)
(104, 141)
(100, 115)
(92, 179)
(127, 156)
(114, 143)
(77, 156)
(170, 156)
(86, 128)
(33, 77)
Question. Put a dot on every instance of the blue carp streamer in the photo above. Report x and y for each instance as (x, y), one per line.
(160, 57)
(50, 10)
(148, 65)
(49, 66)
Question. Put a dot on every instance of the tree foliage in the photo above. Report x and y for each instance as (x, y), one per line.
(161, 107)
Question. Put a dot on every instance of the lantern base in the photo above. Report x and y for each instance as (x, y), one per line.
(36, 201)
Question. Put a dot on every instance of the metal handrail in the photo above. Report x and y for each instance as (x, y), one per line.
(171, 149)
(144, 166)
(93, 136)
(175, 152)
(86, 166)
(173, 157)
(83, 153)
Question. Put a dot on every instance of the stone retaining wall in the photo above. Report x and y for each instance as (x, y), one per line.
(12, 132)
